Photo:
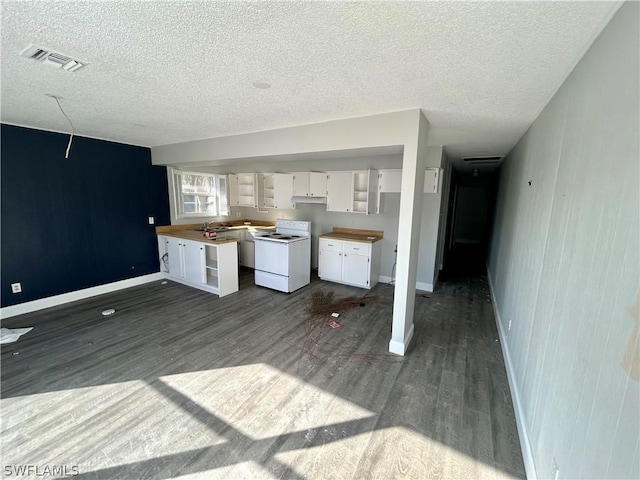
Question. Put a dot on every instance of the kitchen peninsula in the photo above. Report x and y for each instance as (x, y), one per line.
(209, 264)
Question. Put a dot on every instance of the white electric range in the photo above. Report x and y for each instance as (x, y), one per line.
(283, 258)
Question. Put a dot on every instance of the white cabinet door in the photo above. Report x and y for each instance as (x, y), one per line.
(174, 252)
(431, 180)
(355, 269)
(242, 189)
(317, 184)
(390, 181)
(193, 258)
(301, 184)
(283, 190)
(339, 191)
(247, 254)
(330, 265)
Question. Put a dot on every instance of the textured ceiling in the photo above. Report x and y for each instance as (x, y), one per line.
(167, 72)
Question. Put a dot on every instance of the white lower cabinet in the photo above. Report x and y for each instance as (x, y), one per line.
(351, 263)
(212, 267)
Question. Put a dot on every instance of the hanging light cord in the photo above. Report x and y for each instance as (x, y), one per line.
(66, 155)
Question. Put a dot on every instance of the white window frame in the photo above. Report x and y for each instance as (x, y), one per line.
(221, 194)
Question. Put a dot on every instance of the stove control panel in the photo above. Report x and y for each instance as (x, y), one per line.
(298, 225)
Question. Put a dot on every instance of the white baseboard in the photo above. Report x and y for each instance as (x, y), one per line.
(401, 348)
(47, 302)
(425, 287)
(523, 433)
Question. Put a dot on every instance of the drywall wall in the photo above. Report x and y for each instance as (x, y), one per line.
(564, 266)
(71, 224)
(385, 130)
(323, 221)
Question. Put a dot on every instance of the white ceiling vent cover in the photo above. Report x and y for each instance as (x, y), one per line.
(483, 160)
(51, 58)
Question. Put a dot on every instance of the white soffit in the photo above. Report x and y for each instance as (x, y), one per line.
(167, 72)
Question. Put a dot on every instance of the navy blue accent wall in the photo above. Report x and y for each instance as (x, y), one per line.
(69, 224)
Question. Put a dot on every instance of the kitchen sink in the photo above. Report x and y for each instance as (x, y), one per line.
(211, 229)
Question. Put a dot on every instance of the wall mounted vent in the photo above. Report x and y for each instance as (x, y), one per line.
(53, 59)
(482, 160)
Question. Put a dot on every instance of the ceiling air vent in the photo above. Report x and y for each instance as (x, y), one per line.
(482, 160)
(51, 58)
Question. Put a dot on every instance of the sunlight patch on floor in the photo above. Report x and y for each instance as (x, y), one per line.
(56, 427)
(261, 401)
(394, 452)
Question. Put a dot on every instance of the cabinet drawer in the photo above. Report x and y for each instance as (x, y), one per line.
(357, 248)
(331, 245)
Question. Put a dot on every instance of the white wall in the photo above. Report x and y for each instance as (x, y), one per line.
(564, 265)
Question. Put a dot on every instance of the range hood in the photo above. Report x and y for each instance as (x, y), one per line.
(306, 199)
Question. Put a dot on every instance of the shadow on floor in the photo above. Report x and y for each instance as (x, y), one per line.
(179, 382)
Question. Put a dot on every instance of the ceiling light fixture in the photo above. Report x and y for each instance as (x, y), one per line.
(261, 85)
(57, 99)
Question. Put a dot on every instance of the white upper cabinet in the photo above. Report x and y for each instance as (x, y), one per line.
(242, 190)
(390, 181)
(339, 191)
(310, 184)
(351, 191)
(276, 191)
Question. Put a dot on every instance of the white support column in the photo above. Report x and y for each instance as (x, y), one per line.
(413, 165)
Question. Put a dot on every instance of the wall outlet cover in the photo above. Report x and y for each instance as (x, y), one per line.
(16, 288)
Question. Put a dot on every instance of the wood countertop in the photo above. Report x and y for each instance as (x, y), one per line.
(354, 235)
(220, 227)
(196, 237)
(191, 232)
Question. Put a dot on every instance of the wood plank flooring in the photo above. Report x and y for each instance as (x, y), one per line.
(181, 384)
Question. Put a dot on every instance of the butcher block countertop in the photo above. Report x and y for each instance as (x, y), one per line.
(197, 237)
(354, 235)
(191, 232)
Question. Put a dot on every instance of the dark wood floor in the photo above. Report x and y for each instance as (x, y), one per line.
(179, 383)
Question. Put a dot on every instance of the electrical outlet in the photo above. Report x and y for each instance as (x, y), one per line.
(555, 471)
(509, 328)
(238, 214)
(16, 288)
(152, 220)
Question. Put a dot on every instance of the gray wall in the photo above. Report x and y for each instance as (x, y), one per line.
(323, 221)
(564, 265)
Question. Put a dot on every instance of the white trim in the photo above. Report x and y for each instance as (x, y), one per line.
(47, 302)
(523, 433)
(401, 348)
(425, 287)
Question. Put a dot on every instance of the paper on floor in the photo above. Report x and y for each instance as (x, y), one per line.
(10, 335)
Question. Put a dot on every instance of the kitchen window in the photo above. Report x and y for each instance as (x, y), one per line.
(200, 194)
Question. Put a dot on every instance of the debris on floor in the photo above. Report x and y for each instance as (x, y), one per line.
(323, 303)
(333, 324)
(335, 315)
(10, 335)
